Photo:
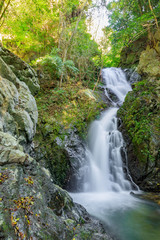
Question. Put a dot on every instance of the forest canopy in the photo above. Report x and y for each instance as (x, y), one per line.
(53, 34)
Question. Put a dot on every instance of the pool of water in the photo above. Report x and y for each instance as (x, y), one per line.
(126, 217)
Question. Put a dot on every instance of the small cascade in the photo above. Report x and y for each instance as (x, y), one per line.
(115, 81)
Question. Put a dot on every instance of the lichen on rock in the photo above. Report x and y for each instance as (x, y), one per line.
(18, 111)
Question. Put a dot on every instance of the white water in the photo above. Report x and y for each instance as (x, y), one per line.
(115, 80)
(106, 168)
(105, 142)
(106, 190)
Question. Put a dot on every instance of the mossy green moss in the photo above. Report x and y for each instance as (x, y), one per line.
(140, 116)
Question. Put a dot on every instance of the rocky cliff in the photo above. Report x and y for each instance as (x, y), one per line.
(140, 116)
(31, 205)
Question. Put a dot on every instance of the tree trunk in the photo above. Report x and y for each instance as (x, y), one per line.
(2, 12)
(149, 1)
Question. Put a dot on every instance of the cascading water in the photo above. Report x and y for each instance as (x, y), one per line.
(106, 191)
(106, 168)
(105, 141)
(115, 81)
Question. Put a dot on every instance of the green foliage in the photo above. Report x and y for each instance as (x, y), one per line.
(53, 65)
(127, 22)
(54, 35)
(29, 26)
(83, 53)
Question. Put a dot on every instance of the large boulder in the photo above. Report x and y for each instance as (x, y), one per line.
(10, 150)
(149, 64)
(32, 207)
(140, 116)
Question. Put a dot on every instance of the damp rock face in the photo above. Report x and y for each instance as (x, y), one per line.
(31, 205)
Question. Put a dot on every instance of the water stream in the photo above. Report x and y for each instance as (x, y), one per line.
(106, 187)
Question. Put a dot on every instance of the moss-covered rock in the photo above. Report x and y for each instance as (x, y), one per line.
(149, 64)
(157, 35)
(140, 117)
(140, 114)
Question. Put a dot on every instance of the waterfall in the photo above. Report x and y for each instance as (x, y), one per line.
(105, 170)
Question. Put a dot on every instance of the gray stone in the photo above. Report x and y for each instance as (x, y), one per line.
(20, 69)
(10, 150)
(6, 72)
(18, 109)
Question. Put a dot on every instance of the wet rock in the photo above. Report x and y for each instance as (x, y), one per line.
(64, 158)
(151, 196)
(75, 149)
(132, 76)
